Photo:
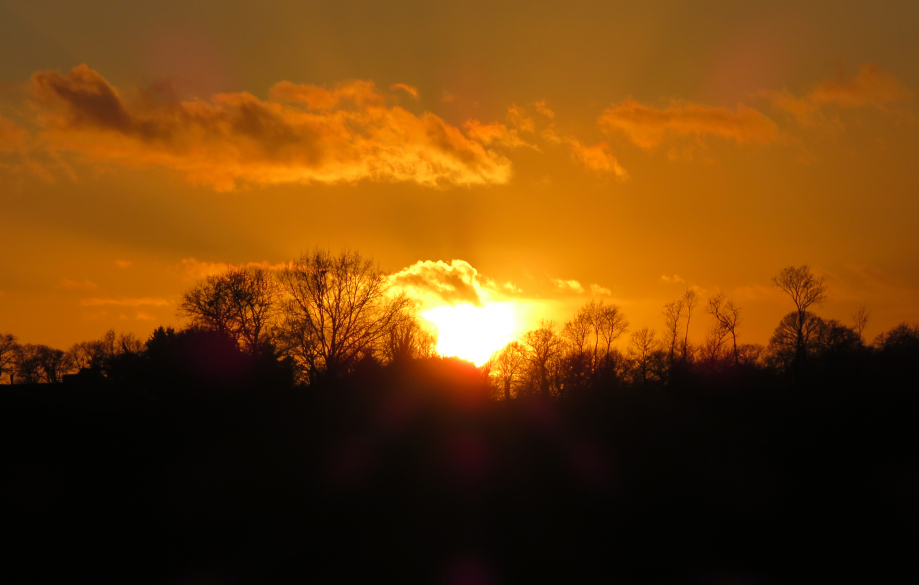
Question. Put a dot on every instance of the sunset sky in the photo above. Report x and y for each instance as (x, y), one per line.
(533, 153)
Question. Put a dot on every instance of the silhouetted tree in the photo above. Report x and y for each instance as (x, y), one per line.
(8, 349)
(796, 335)
(673, 312)
(35, 363)
(407, 339)
(904, 338)
(507, 366)
(690, 300)
(805, 290)
(860, 317)
(240, 302)
(609, 323)
(337, 310)
(750, 354)
(836, 340)
(642, 346)
(97, 355)
(712, 350)
(543, 347)
(727, 316)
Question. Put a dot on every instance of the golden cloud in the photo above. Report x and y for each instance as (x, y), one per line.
(303, 133)
(568, 285)
(648, 126)
(455, 282)
(412, 91)
(494, 133)
(598, 158)
(870, 87)
(596, 289)
(542, 106)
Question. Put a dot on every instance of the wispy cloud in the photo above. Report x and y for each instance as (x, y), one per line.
(196, 269)
(97, 302)
(542, 106)
(567, 285)
(675, 279)
(412, 91)
(597, 290)
(598, 158)
(648, 126)
(870, 87)
(303, 133)
(494, 133)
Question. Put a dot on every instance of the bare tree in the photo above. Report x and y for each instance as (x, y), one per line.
(713, 347)
(608, 322)
(805, 290)
(98, 353)
(337, 310)
(407, 339)
(27, 364)
(861, 320)
(543, 347)
(690, 300)
(673, 312)
(240, 302)
(40, 364)
(507, 366)
(727, 316)
(578, 331)
(8, 349)
(642, 346)
(53, 364)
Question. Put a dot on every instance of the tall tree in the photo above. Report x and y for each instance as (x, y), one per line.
(507, 366)
(673, 312)
(795, 335)
(642, 346)
(608, 322)
(805, 290)
(727, 317)
(543, 348)
(337, 310)
(861, 317)
(690, 300)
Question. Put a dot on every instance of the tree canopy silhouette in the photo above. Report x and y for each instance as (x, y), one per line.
(337, 309)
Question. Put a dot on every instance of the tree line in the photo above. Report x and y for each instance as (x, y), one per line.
(325, 315)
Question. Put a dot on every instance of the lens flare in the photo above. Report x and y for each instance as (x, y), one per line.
(473, 333)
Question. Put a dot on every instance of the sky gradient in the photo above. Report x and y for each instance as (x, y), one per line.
(538, 152)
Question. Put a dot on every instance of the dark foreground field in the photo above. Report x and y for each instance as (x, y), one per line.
(401, 478)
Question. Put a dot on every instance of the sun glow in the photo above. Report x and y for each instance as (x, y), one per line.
(473, 333)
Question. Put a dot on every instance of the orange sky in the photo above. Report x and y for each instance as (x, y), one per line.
(541, 152)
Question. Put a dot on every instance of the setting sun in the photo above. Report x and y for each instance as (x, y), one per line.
(473, 333)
